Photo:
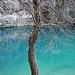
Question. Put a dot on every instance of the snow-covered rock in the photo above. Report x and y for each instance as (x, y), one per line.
(19, 19)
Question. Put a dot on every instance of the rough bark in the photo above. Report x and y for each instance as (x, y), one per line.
(31, 54)
(32, 40)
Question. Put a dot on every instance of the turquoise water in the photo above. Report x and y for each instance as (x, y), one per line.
(58, 59)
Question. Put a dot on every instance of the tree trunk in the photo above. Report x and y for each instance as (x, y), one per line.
(32, 40)
(31, 54)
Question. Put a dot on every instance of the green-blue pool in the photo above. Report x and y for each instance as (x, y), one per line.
(55, 59)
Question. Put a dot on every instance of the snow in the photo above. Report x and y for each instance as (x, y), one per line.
(15, 18)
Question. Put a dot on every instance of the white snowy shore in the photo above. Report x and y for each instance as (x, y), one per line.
(21, 19)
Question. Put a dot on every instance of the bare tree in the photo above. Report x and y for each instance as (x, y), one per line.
(52, 17)
(46, 14)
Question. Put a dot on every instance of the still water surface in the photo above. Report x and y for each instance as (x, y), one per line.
(59, 59)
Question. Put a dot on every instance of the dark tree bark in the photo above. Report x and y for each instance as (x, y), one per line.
(31, 54)
(32, 40)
